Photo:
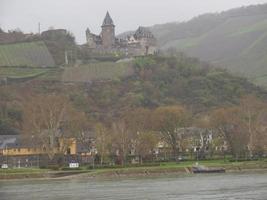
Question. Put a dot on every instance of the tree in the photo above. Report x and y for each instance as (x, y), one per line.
(144, 140)
(121, 140)
(79, 126)
(253, 113)
(10, 113)
(167, 121)
(46, 117)
(103, 141)
(211, 140)
(244, 125)
(228, 122)
(144, 144)
(138, 119)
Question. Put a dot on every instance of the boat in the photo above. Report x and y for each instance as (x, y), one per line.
(199, 169)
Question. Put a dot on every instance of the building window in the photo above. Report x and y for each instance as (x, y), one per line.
(68, 151)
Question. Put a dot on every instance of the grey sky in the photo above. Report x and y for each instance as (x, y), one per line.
(76, 15)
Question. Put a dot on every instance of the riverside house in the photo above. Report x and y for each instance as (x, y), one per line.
(19, 151)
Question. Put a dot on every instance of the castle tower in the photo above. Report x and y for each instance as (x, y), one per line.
(108, 32)
(90, 39)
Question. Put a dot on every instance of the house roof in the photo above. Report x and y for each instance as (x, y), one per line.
(108, 20)
(7, 140)
(143, 32)
(18, 141)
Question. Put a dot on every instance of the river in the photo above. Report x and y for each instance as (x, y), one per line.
(232, 186)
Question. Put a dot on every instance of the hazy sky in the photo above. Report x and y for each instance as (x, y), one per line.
(76, 15)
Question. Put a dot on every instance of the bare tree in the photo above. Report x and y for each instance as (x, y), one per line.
(167, 121)
(44, 117)
(121, 140)
(144, 140)
(144, 144)
(228, 122)
(103, 141)
(253, 113)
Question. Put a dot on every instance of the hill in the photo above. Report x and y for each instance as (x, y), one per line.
(157, 81)
(106, 90)
(32, 54)
(235, 39)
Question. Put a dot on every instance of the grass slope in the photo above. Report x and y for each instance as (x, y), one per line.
(97, 71)
(235, 39)
(33, 54)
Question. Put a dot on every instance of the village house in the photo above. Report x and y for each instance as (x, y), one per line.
(21, 151)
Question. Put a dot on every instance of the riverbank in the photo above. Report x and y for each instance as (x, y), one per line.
(164, 169)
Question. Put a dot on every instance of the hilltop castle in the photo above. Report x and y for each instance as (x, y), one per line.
(142, 42)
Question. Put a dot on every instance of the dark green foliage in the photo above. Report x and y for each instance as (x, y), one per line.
(167, 81)
(60, 43)
(143, 63)
(155, 81)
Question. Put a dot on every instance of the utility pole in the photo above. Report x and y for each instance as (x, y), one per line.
(39, 28)
(6, 154)
(66, 58)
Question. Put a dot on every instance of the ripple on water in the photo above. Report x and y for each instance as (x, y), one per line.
(206, 187)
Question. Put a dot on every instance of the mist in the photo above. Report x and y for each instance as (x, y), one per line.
(76, 16)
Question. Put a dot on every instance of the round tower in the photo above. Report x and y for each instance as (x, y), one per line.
(108, 32)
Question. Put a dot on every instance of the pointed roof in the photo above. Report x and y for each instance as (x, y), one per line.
(88, 30)
(108, 21)
(143, 32)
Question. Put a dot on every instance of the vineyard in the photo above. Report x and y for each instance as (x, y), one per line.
(97, 71)
(16, 72)
(33, 54)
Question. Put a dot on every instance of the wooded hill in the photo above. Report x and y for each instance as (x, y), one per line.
(161, 81)
(235, 39)
(154, 81)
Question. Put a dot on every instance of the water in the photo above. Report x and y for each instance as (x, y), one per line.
(207, 187)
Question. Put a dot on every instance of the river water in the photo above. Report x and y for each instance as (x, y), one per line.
(207, 187)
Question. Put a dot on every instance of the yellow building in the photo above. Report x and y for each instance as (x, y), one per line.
(18, 146)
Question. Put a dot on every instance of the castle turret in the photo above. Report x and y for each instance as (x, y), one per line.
(108, 32)
(90, 39)
(146, 40)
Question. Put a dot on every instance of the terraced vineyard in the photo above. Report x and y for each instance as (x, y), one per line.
(234, 39)
(15, 72)
(32, 54)
(97, 71)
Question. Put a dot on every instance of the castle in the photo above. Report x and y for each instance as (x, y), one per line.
(142, 42)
